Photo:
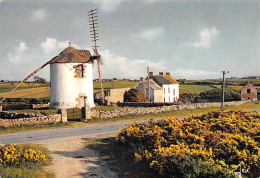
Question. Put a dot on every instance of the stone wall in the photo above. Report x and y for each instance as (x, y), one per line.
(135, 104)
(7, 107)
(148, 110)
(8, 119)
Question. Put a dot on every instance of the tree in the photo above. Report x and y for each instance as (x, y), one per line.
(134, 95)
(230, 94)
(38, 79)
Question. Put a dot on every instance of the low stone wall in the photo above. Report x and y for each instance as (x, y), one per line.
(40, 106)
(15, 119)
(134, 104)
(148, 110)
(7, 107)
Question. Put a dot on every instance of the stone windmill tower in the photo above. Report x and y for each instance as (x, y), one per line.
(71, 79)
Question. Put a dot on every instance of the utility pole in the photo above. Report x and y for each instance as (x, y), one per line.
(148, 73)
(223, 89)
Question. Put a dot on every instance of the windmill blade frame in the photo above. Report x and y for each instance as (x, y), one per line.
(93, 33)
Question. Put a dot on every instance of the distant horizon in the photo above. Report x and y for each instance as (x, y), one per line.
(220, 78)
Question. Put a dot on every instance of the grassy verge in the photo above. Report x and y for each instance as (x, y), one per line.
(28, 170)
(45, 112)
(36, 127)
(112, 154)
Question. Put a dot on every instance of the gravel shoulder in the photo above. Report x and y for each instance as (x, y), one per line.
(71, 158)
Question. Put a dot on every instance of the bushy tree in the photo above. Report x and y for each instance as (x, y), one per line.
(134, 95)
(230, 94)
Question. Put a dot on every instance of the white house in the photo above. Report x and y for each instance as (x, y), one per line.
(163, 88)
(71, 79)
(169, 85)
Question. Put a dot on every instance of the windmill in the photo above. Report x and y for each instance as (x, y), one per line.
(71, 74)
(94, 35)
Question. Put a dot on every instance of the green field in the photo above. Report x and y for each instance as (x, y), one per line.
(39, 90)
(113, 84)
(194, 88)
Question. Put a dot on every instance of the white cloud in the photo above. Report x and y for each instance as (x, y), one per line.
(150, 34)
(18, 55)
(39, 15)
(206, 36)
(53, 45)
(106, 5)
(1, 1)
(49, 45)
(118, 66)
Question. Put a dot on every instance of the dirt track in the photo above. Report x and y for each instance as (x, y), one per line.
(72, 159)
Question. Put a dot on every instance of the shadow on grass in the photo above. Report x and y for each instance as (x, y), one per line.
(117, 160)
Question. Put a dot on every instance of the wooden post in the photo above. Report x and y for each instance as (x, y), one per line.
(148, 73)
(223, 90)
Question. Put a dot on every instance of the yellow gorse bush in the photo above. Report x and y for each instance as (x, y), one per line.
(14, 155)
(218, 139)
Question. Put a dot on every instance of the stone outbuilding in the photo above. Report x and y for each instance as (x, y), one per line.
(248, 92)
(112, 95)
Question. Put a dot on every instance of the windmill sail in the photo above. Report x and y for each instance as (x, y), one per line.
(93, 26)
(24, 80)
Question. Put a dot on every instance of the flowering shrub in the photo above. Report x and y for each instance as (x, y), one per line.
(14, 155)
(197, 146)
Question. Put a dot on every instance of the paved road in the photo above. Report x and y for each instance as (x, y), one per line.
(43, 135)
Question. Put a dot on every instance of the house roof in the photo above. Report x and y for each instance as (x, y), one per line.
(72, 55)
(153, 85)
(144, 85)
(170, 79)
(160, 80)
(140, 86)
(248, 85)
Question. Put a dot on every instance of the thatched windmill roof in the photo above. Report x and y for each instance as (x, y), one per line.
(72, 55)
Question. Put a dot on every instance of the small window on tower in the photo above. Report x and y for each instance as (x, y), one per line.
(79, 71)
(248, 90)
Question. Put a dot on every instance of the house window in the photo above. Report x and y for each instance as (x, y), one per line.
(169, 99)
(173, 91)
(164, 90)
(169, 90)
(248, 90)
(79, 71)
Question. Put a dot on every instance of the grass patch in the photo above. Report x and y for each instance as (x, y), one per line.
(39, 92)
(28, 170)
(45, 112)
(111, 152)
(194, 88)
(114, 84)
(24, 128)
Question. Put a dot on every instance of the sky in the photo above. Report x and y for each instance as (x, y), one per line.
(190, 39)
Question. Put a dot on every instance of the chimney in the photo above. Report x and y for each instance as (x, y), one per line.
(150, 74)
(141, 79)
(167, 73)
(160, 73)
